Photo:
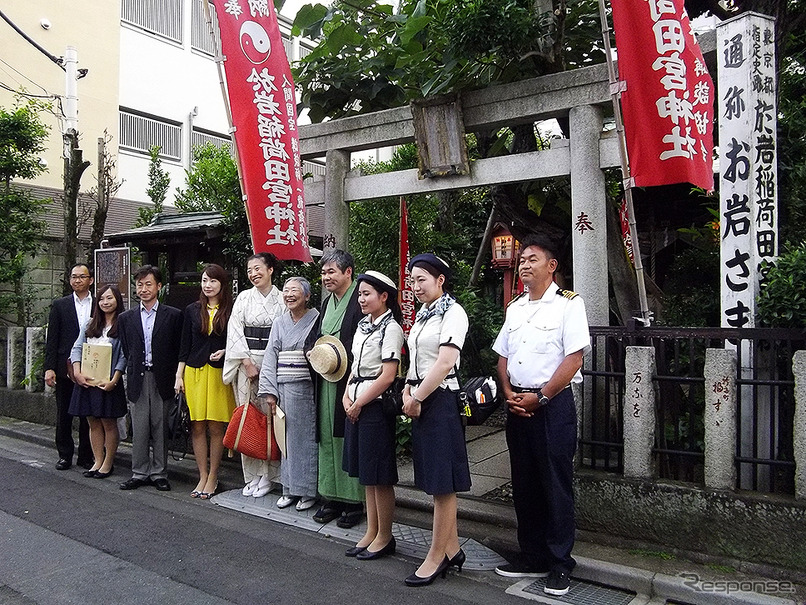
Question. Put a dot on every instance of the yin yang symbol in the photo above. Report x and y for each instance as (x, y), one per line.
(255, 42)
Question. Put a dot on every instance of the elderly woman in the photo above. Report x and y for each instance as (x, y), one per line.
(201, 359)
(369, 433)
(430, 398)
(253, 314)
(287, 385)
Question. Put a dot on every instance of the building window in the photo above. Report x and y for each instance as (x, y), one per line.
(140, 132)
(201, 137)
(315, 169)
(199, 32)
(161, 17)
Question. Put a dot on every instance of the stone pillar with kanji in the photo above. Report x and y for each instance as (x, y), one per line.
(589, 213)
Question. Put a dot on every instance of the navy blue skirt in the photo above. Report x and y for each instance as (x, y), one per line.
(438, 444)
(369, 446)
(98, 403)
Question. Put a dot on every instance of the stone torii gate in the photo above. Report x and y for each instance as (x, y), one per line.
(582, 95)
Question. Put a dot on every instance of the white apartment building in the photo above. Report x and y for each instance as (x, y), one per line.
(170, 94)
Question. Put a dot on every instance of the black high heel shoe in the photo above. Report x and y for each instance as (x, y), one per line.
(368, 555)
(458, 560)
(415, 580)
(99, 475)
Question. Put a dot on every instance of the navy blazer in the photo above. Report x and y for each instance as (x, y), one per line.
(62, 333)
(164, 349)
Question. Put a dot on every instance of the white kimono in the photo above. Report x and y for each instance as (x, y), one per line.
(251, 309)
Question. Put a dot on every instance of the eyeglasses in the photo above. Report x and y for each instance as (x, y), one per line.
(81, 277)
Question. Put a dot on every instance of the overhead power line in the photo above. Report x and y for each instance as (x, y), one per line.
(23, 75)
(58, 61)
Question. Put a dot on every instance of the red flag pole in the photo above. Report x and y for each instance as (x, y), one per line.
(233, 147)
(616, 88)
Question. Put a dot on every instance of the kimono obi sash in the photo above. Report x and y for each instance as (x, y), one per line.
(292, 365)
(257, 337)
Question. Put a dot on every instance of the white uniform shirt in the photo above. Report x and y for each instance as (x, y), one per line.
(369, 352)
(538, 334)
(425, 339)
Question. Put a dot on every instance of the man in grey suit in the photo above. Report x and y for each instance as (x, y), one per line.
(150, 334)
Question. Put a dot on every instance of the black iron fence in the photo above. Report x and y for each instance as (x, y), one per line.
(765, 391)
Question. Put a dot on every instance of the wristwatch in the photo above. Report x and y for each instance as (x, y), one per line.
(542, 399)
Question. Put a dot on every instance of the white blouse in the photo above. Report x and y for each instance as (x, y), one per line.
(425, 339)
(370, 351)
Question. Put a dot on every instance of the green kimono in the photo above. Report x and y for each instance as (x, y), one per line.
(334, 482)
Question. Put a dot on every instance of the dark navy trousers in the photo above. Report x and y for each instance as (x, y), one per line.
(65, 444)
(541, 450)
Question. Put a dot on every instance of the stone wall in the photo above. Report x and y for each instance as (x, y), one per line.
(742, 526)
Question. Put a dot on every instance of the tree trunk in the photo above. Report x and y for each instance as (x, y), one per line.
(74, 167)
(107, 187)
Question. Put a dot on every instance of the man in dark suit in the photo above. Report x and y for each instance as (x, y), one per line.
(343, 495)
(67, 315)
(150, 335)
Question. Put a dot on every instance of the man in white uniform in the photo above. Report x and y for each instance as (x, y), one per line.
(541, 347)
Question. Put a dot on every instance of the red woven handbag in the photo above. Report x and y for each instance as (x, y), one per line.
(248, 433)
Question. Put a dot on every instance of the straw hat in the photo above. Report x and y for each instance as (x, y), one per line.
(328, 358)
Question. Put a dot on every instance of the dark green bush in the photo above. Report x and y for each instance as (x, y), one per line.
(782, 298)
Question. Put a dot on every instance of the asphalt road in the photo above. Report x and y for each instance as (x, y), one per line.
(67, 539)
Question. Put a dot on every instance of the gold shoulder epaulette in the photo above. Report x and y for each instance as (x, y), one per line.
(518, 297)
(569, 294)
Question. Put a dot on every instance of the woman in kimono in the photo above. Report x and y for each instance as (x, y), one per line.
(430, 398)
(248, 332)
(286, 383)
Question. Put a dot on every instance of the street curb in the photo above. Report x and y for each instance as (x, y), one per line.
(499, 522)
(633, 579)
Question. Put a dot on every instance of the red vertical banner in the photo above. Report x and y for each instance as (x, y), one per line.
(407, 300)
(264, 116)
(668, 105)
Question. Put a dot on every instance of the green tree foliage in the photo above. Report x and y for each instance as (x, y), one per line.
(22, 140)
(792, 140)
(692, 303)
(158, 182)
(371, 57)
(374, 241)
(211, 185)
(782, 298)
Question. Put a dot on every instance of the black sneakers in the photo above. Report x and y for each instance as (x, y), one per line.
(557, 583)
(521, 570)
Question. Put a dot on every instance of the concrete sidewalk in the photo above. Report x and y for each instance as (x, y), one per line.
(488, 527)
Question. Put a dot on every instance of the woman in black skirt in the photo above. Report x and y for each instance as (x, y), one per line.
(430, 398)
(101, 401)
(369, 433)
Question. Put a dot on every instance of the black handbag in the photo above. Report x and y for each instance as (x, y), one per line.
(179, 427)
(392, 397)
(478, 399)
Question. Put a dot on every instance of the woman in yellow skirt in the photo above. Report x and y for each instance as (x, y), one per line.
(201, 359)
